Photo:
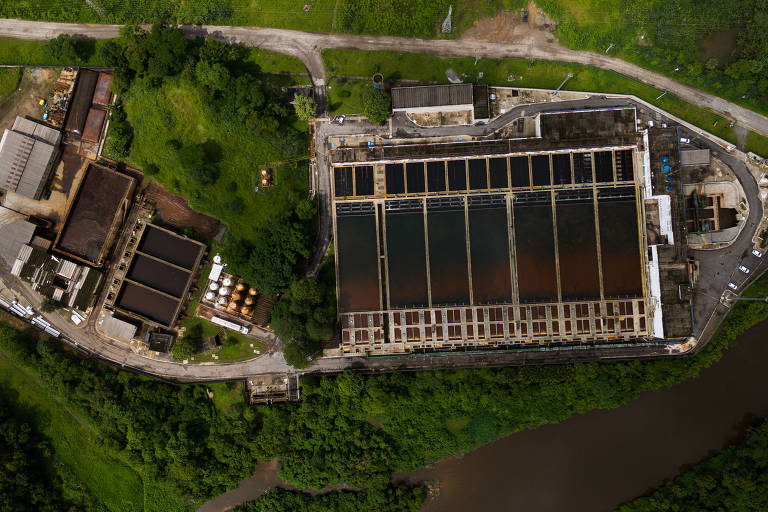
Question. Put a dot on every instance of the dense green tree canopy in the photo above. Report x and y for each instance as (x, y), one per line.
(305, 107)
(376, 105)
(27, 479)
(735, 480)
(63, 49)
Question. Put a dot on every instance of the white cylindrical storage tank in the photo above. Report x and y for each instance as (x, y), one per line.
(214, 286)
(222, 301)
(227, 282)
(210, 296)
(223, 291)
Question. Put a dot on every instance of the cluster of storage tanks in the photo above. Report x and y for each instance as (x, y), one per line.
(235, 298)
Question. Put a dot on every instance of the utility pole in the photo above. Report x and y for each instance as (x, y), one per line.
(609, 47)
(660, 95)
(570, 75)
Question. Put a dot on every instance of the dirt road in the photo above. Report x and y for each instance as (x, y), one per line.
(307, 46)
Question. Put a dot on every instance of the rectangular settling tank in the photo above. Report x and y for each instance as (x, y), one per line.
(406, 253)
(395, 178)
(165, 246)
(158, 275)
(415, 177)
(489, 249)
(343, 181)
(619, 246)
(577, 246)
(498, 172)
(535, 247)
(357, 257)
(447, 251)
(147, 303)
(518, 166)
(436, 176)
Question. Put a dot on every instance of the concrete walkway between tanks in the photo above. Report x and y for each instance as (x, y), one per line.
(306, 46)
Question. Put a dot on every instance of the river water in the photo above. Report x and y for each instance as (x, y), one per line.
(596, 461)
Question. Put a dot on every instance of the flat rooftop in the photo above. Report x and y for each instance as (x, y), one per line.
(98, 209)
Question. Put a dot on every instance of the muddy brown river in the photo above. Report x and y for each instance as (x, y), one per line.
(596, 461)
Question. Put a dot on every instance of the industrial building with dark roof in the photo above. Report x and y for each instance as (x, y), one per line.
(28, 154)
(95, 215)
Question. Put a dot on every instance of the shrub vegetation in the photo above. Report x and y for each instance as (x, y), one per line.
(735, 480)
(353, 429)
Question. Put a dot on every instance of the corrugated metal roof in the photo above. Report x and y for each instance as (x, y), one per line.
(119, 329)
(67, 269)
(102, 95)
(694, 157)
(24, 163)
(37, 130)
(93, 125)
(81, 101)
(431, 96)
(13, 236)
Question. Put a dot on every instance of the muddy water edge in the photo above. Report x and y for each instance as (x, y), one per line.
(595, 461)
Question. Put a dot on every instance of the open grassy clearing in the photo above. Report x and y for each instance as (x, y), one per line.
(227, 397)
(537, 74)
(177, 111)
(32, 53)
(235, 347)
(75, 442)
(9, 81)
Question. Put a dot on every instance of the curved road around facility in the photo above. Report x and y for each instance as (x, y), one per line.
(307, 46)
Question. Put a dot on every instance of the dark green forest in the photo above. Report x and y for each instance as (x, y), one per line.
(398, 499)
(29, 480)
(353, 429)
(735, 480)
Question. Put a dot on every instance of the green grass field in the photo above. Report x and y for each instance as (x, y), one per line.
(286, 14)
(227, 396)
(9, 81)
(527, 73)
(273, 62)
(75, 442)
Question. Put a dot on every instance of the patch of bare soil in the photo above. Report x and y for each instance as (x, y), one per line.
(510, 27)
(173, 210)
(35, 85)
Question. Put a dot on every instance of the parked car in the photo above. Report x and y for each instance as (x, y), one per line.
(732, 286)
(757, 253)
(744, 269)
(685, 140)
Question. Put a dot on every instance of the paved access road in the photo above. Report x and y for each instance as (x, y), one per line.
(307, 46)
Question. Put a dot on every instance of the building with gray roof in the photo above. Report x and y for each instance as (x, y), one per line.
(28, 153)
(443, 98)
(13, 236)
(56, 278)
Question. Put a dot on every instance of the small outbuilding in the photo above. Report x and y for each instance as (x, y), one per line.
(694, 157)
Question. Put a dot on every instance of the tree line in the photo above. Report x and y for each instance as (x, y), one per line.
(735, 480)
(28, 480)
(352, 429)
